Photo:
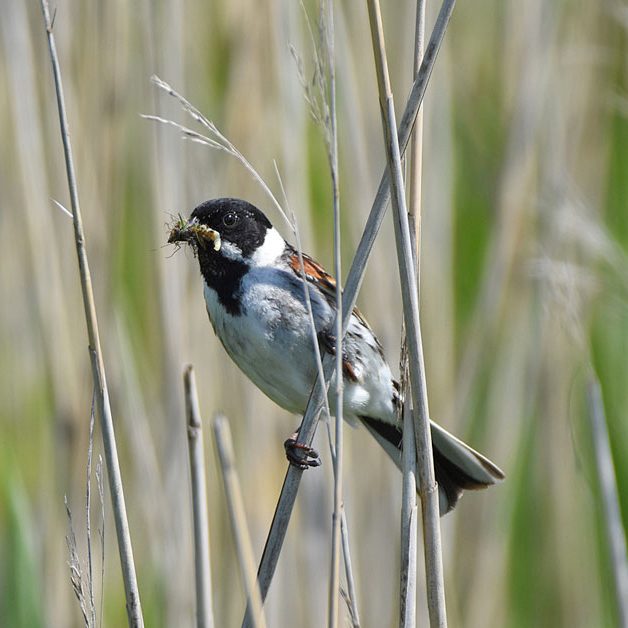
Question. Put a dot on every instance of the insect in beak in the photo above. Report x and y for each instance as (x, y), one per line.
(194, 232)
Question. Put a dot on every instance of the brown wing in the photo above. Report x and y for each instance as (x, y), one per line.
(315, 274)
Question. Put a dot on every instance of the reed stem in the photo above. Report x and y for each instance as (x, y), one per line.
(202, 571)
(133, 605)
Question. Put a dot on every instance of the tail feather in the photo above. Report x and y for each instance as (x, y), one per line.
(457, 466)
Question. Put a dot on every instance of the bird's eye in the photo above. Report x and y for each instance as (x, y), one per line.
(230, 219)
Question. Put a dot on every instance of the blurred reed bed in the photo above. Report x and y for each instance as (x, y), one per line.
(523, 283)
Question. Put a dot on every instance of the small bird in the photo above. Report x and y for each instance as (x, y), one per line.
(254, 292)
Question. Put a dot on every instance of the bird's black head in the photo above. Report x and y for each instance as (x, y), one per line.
(241, 226)
(225, 234)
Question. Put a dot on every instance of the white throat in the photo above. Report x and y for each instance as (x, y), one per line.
(230, 251)
(272, 247)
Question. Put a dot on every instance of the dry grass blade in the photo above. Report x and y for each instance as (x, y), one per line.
(409, 531)
(409, 511)
(204, 609)
(215, 140)
(88, 514)
(101, 533)
(308, 301)
(133, 605)
(76, 571)
(416, 146)
(349, 596)
(427, 481)
(235, 504)
(315, 91)
(326, 34)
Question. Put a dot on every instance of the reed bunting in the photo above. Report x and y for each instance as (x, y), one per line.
(254, 292)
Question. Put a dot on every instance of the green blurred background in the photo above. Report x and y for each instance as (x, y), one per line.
(524, 283)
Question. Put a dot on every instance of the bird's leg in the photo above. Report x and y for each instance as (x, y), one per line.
(299, 455)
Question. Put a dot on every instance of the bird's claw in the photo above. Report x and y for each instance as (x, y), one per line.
(301, 456)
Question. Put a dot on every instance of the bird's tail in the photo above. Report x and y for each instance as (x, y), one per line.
(457, 466)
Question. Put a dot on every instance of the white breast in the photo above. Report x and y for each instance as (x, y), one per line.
(270, 340)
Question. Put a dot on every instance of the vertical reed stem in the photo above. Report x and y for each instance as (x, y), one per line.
(202, 571)
(133, 606)
(409, 512)
(427, 481)
(235, 504)
(336, 544)
(409, 530)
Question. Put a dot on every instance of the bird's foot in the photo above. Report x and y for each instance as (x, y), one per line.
(301, 456)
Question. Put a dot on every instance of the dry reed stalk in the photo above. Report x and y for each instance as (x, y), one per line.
(409, 526)
(202, 571)
(427, 482)
(416, 145)
(285, 504)
(235, 505)
(337, 517)
(133, 606)
(320, 94)
(409, 508)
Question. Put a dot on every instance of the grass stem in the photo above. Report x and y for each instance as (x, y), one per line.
(409, 512)
(427, 481)
(133, 606)
(409, 531)
(203, 581)
(336, 546)
(235, 504)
